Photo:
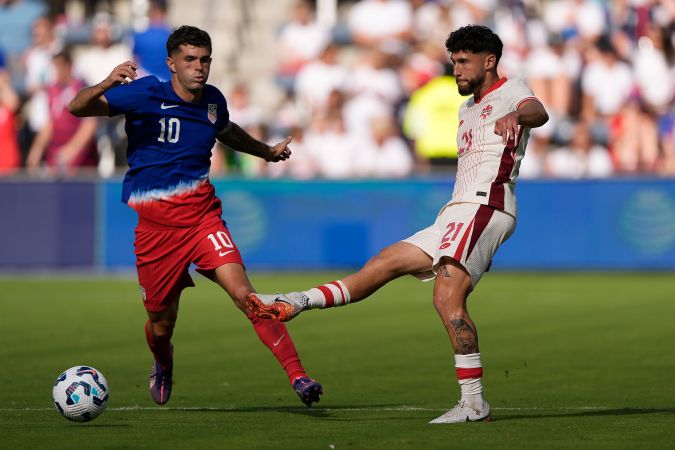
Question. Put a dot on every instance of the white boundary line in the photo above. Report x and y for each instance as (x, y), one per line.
(292, 409)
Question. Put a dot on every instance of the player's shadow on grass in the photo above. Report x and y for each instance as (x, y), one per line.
(593, 413)
(318, 411)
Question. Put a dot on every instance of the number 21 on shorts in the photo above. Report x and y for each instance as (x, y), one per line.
(453, 229)
(221, 243)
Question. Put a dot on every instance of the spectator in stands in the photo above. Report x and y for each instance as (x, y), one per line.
(66, 143)
(38, 57)
(367, 26)
(667, 143)
(93, 64)
(301, 40)
(634, 138)
(385, 154)
(249, 117)
(333, 149)
(16, 22)
(149, 47)
(372, 75)
(318, 78)
(39, 73)
(430, 121)
(576, 19)
(10, 157)
(302, 165)
(606, 83)
(547, 72)
(582, 158)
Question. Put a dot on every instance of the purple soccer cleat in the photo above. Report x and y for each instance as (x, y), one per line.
(161, 381)
(308, 390)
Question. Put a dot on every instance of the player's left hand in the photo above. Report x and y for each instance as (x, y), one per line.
(508, 128)
(280, 152)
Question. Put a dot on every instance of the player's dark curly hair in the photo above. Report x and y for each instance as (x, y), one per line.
(475, 39)
(187, 35)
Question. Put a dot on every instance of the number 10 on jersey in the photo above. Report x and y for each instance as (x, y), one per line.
(169, 132)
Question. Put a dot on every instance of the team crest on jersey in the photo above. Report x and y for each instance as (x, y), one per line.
(213, 112)
(486, 112)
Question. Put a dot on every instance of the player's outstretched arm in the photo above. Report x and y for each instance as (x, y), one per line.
(239, 140)
(90, 100)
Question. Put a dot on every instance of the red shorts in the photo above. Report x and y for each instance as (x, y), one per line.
(164, 255)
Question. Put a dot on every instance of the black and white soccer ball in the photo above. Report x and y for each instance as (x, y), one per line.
(81, 393)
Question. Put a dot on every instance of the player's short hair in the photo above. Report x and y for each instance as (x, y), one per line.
(187, 35)
(474, 39)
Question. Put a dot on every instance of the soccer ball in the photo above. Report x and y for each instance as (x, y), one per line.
(81, 393)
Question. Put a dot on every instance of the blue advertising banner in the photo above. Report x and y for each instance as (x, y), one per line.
(313, 225)
(47, 225)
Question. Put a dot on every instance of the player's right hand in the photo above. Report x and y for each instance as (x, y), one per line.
(125, 73)
(280, 152)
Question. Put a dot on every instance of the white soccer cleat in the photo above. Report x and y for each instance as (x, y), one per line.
(281, 307)
(464, 412)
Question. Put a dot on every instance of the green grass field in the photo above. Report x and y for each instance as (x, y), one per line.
(581, 361)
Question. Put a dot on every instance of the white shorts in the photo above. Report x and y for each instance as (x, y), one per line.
(469, 233)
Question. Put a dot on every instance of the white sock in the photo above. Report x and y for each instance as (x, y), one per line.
(328, 295)
(470, 376)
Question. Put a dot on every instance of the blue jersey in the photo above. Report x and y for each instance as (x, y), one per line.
(169, 148)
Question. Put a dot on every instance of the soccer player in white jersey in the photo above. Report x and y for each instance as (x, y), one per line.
(458, 247)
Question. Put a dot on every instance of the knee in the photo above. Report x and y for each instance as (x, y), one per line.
(163, 327)
(450, 305)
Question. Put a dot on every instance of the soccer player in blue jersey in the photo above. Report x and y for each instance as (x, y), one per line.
(172, 127)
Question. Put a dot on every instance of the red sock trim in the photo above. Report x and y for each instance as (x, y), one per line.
(330, 299)
(463, 374)
(342, 293)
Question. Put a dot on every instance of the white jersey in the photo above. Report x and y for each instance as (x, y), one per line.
(487, 169)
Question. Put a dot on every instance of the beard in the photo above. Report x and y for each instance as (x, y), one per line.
(468, 88)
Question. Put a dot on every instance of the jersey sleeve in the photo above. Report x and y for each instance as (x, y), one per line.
(223, 122)
(127, 98)
(518, 93)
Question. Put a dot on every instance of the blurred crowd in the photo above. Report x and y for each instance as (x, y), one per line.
(368, 95)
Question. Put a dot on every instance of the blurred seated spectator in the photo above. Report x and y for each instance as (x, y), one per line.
(333, 149)
(10, 156)
(582, 158)
(432, 21)
(301, 165)
(149, 46)
(65, 143)
(301, 40)
(634, 138)
(547, 73)
(584, 20)
(385, 154)
(368, 26)
(38, 57)
(38, 74)
(16, 22)
(94, 62)
(667, 141)
(430, 121)
(654, 77)
(372, 75)
(318, 78)
(606, 82)
(249, 117)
